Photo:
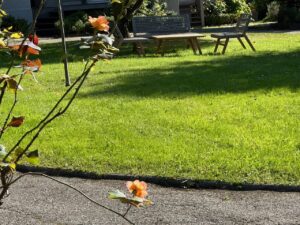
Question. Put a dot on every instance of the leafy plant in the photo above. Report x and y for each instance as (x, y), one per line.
(289, 15)
(273, 11)
(153, 8)
(237, 6)
(220, 12)
(215, 7)
(75, 23)
(17, 24)
(216, 20)
(259, 7)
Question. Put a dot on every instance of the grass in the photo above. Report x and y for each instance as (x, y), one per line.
(233, 118)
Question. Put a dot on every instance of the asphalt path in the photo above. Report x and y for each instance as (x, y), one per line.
(37, 200)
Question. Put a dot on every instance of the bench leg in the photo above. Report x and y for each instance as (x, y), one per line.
(249, 42)
(136, 47)
(192, 45)
(142, 49)
(225, 45)
(197, 45)
(242, 43)
(217, 45)
(160, 47)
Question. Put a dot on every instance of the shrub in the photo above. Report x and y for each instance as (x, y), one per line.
(273, 10)
(259, 7)
(17, 24)
(215, 7)
(75, 23)
(237, 6)
(153, 8)
(221, 12)
(289, 17)
(217, 20)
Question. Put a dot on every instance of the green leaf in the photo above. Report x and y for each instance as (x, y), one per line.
(33, 157)
(135, 201)
(116, 195)
(12, 166)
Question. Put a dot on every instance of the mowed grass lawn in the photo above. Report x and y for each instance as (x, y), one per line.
(233, 118)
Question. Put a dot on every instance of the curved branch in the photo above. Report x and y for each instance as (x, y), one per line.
(75, 189)
(12, 107)
(31, 29)
(48, 115)
(82, 78)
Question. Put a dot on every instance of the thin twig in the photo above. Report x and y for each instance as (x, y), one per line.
(12, 107)
(75, 189)
(59, 113)
(31, 29)
(47, 116)
(129, 207)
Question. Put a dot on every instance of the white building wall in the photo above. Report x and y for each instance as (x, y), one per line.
(20, 9)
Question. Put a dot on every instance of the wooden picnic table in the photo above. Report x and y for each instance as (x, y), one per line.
(189, 36)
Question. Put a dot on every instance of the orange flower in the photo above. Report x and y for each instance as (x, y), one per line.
(31, 66)
(137, 188)
(100, 23)
(28, 48)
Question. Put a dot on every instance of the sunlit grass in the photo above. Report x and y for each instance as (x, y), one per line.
(233, 118)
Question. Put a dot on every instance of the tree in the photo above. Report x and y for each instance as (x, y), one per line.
(129, 7)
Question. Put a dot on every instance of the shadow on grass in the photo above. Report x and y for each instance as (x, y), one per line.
(234, 74)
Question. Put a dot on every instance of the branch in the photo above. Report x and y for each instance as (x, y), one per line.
(59, 113)
(48, 115)
(12, 108)
(129, 207)
(75, 189)
(31, 29)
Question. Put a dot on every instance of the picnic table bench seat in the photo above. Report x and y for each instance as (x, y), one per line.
(165, 28)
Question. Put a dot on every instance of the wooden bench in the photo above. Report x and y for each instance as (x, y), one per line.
(136, 41)
(165, 28)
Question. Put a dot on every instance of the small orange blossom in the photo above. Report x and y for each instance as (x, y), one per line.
(100, 23)
(137, 188)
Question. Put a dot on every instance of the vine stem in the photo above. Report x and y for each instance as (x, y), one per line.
(12, 107)
(75, 189)
(49, 114)
(31, 29)
(48, 120)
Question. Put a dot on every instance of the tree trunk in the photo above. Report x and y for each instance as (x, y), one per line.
(123, 23)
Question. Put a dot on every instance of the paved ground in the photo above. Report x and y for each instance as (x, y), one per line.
(36, 200)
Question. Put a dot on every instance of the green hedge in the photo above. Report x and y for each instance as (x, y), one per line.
(17, 24)
(217, 20)
(289, 17)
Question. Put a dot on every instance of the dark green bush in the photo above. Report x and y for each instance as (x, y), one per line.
(153, 8)
(289, 17)
(17, 24)
(260, 7)
(216, 7)
(221, 12)
(75, 23)
(217, 20)
(237, 6)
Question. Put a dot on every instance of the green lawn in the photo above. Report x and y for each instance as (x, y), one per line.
(233, 118)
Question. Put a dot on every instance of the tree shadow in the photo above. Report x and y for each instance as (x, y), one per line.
(234, 74)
